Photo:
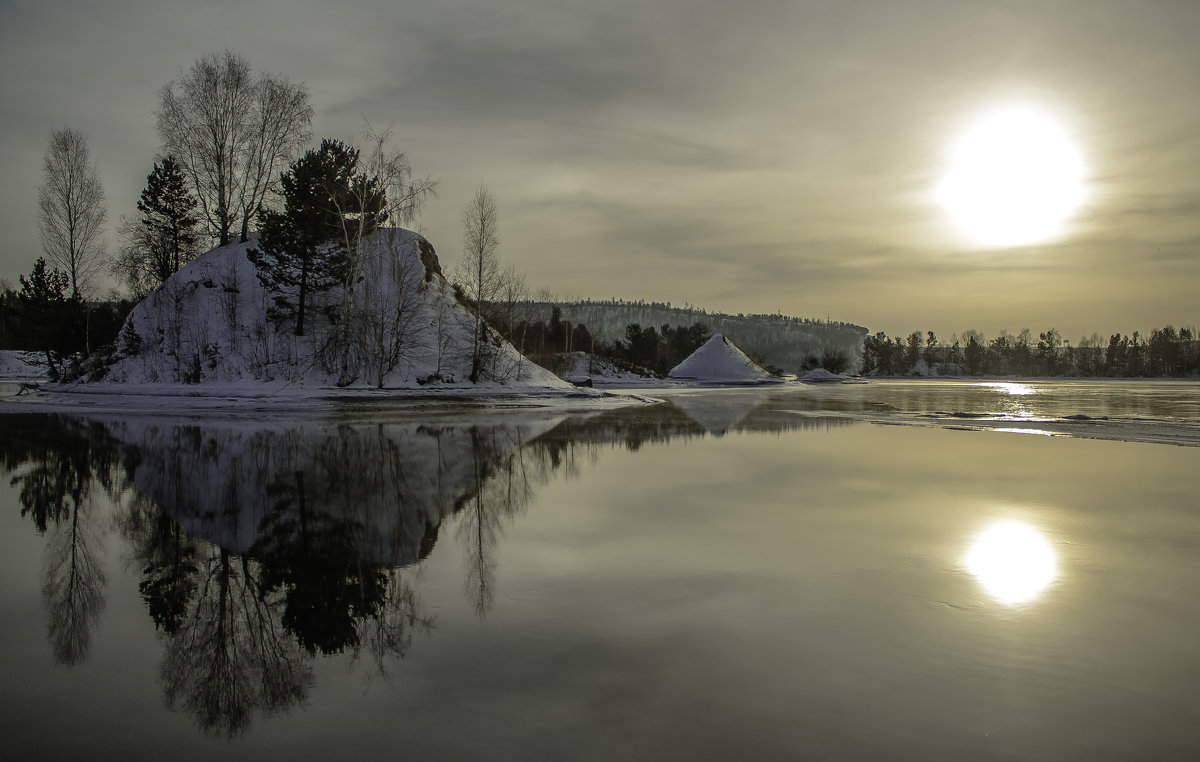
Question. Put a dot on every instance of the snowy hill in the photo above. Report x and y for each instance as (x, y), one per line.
(718, 360)
(400, 326)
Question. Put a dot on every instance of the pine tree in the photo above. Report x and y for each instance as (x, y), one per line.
(168, 213)
(47, 310)
(166, 235)
(302, 249)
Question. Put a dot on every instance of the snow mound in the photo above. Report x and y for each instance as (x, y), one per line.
(399, 327)
(718, 360)
(820, 376)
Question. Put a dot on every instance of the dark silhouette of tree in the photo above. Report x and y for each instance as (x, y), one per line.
(310, 556)
(169, 558)
(71, 211)
(1047, 354)
(973, 355)
(302, 250)
(231, 130)
(73, 590)
(833, 361)
(57, 462)
(230, 656)
(47, 312)
(165, 236)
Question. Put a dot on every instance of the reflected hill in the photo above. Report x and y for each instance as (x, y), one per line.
(691, 415)
(261, 546)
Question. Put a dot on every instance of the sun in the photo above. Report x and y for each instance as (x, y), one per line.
(1014, 177)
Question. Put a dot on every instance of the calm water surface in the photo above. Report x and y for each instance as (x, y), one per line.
(736, 574)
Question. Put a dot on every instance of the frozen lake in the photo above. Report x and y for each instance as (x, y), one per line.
(894, 570)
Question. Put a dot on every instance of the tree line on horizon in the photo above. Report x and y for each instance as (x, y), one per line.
(1166, 352)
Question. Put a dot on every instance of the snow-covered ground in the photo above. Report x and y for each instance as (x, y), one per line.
(21, 372)
(22, 366)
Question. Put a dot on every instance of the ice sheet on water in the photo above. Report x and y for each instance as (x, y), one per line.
(1136, 411)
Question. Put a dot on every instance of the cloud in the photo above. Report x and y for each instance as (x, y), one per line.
(762, 155)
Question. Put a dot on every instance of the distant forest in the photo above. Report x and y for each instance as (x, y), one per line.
(774, 340)
(1166, 352)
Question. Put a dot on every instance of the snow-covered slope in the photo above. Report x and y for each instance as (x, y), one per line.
(401, 327)
(718, 360)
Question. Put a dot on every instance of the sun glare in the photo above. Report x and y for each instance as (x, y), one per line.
(1014, 178)
(1012, 561)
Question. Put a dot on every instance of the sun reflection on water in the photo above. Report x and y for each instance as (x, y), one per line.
(1014, 562)
(1011, 388)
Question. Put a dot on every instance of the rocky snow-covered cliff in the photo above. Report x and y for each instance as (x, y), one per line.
(214, 322)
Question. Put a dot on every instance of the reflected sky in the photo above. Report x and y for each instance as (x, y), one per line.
(1012, 561)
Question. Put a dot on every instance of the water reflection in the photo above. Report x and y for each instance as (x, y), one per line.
(56, 476)
(261, 548)
(1012, 561)
(1011, 388)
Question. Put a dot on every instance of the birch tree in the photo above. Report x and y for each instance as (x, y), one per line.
(478, 272)
(71, 213)
(387, 181)
(232, 131)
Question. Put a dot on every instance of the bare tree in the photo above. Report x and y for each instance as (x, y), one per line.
(388, 308)
(389, 173)
(232, 131)
(478, 272)
(71, 212)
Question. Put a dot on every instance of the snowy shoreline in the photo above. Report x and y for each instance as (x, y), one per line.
(283, 398)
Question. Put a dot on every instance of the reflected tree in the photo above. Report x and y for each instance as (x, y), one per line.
(55, 463)
(500, 489)
(73, 587)
(230, 656)
(309, 556)
(169, 559)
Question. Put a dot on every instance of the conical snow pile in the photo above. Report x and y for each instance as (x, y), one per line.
(719, 361)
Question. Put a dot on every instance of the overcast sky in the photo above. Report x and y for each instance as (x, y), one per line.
(747, 157)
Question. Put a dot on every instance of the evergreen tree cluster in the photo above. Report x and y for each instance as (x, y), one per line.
(43, 316)
(662, 349)
(647, 349)
(1168, 352)
(303, 250)
(542, 340)
(775, 340)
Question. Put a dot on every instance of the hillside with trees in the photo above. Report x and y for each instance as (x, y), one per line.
(1166, 352)
(776, 340)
